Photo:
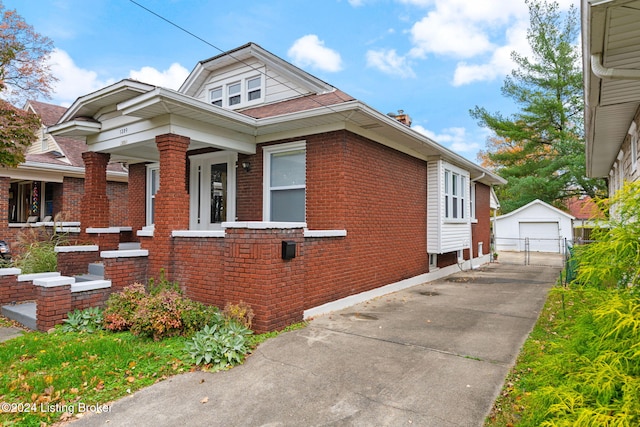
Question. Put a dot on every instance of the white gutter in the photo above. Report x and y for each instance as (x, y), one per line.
(60, 168)
(607, 73)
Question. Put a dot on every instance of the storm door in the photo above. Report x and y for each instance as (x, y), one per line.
(212, 190)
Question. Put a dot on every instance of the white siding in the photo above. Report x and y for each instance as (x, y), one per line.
(277, 88)
(445, 235)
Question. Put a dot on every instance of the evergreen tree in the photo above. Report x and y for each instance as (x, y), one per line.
(540, 149)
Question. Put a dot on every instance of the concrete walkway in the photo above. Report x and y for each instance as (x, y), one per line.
(432, 355)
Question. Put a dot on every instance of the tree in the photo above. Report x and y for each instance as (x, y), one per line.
(540, 149)
(24, 73)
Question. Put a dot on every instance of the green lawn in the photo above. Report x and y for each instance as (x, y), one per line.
(45, 378)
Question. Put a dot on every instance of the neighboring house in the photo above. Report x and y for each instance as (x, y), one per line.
(257, 181)
(611, 63)
(536, 226)
(50, 180)
(587, 214)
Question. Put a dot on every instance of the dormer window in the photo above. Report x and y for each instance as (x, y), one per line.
(234, 94)
(237, 94)
(254, 88)
(216, 96)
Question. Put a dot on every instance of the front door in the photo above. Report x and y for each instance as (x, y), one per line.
(212, 190)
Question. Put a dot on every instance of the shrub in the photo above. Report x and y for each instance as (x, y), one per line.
(160, 313)
(220, 344)
(88, 320)
(121, 307)
(613, 260)
(241, 312)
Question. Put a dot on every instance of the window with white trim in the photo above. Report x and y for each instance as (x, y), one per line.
(285, 182)
(238, 93)
(454, 194)
(153, 184)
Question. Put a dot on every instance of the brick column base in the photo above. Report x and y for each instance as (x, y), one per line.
(52, 305)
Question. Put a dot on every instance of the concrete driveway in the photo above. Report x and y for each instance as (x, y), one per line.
(432, 355)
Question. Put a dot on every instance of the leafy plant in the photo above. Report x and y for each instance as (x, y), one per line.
(88, 320)
(241, 312)
(220, 344)
(36, 248)
(121, 307)
(613, 260)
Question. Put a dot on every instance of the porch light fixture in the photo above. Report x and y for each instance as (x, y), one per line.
(246, 166)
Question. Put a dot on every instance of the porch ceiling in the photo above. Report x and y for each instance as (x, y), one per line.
(611, 57)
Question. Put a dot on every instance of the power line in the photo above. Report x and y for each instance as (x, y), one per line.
(168, 21)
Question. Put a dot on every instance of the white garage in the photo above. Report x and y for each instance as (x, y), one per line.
(537, 226)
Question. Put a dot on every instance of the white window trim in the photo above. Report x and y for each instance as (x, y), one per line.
(472, 202)
(465, 198)
(266, 162)
(148, 195)
(228, 157)
(244, 90)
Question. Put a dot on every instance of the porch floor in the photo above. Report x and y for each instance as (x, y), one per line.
(23, 313)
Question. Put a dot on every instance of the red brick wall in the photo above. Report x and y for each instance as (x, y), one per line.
(249, 194)
(481, 230)
(256, 274)
(383, 194)
(52, 306)
(13, 291)
(94, 211)
(198, 265)
(72, 192)
(125, 271)
(172, 200)
(76, 263)
(4, 207)
(57, 196)
(86, 299)
(118, 195)
(137, 197)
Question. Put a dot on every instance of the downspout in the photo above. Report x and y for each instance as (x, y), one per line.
(607, 73)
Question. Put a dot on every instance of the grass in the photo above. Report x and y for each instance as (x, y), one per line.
(49, 374)
(558, 379)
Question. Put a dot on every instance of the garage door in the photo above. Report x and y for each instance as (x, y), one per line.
(543, 236)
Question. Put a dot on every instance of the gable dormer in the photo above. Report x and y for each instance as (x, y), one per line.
(249, 77)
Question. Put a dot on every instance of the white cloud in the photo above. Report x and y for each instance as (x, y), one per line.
(171, 78)
(389, 62)
(500, 63)
(455, 138)
(73, 81)
(311, 51)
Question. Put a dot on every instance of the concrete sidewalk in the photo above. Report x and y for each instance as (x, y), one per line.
(432, 355)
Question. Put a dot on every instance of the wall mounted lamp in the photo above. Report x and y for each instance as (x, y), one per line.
(246, 166)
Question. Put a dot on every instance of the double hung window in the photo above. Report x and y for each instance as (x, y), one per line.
(454, 195)
(285, 182)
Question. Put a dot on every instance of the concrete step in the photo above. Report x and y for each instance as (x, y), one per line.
(124, 246)
(88, 278)
(96, 269)
(24, 313)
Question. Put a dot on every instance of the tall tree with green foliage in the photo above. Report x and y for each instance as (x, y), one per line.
(540, 149)
(24, 74)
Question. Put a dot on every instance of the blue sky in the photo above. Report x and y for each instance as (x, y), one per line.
(434, 59)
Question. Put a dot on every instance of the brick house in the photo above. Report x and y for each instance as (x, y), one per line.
(257, 181)
(50, 180)
(611, 64)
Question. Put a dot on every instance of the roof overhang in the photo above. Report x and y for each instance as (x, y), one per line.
(142, 116)
(611, 65)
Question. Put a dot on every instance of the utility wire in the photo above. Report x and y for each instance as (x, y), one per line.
(168, 21)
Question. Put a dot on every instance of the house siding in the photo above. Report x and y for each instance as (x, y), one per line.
(623, 169)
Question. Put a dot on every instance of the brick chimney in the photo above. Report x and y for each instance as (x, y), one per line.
(401, 117)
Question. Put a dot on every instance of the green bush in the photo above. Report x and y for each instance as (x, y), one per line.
(160, 313)
(220, 344)
(88, 320)
(36, 249)
(592, 377)
(121, 307)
